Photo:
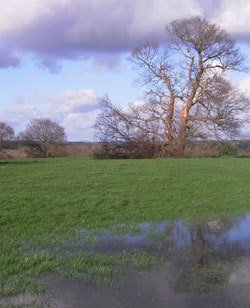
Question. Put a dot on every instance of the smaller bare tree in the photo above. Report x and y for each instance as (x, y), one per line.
(43, 135)
(119, 139)
(6, 134)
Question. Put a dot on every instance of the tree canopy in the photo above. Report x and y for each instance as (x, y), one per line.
(6, 133)
(41, 134)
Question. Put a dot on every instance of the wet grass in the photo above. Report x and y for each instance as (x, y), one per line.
(44, 201)
(21, 270)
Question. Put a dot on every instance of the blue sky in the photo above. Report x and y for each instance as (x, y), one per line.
(58, 56)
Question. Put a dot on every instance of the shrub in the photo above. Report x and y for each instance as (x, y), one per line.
(226, 148)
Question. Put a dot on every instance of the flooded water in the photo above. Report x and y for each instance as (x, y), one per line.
(200, 265)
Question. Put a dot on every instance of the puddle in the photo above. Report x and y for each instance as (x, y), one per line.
(222, 235)
(201, 265)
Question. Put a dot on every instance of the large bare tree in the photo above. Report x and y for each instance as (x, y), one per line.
(188, 92)
(43, 135)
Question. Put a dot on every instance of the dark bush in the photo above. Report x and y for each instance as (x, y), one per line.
(226, 148)
(145, 149)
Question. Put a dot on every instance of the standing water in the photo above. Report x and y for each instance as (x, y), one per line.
(199, 265)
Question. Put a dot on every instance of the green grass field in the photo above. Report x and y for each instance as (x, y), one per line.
(52, 198)
(58, 195)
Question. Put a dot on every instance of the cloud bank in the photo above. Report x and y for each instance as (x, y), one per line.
(75, 110)
(73, 29)
(53, 30)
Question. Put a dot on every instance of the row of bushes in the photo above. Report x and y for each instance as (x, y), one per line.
(18, 149)
(149, 150)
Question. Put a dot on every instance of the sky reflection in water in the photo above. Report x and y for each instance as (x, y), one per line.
(200, 265)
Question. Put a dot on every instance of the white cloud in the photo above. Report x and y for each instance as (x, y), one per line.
(72, 101)
(19, 115)
(244, 85)
(75, 110)
(234, 16)
(18, 14)
(79, 126)
(151, 18)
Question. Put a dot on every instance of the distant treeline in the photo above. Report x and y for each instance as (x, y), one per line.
(23, 149)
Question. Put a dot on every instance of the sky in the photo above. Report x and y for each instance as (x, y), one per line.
(57, 57)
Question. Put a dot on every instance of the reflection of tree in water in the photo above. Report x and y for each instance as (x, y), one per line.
(200, 270)
(197, 252)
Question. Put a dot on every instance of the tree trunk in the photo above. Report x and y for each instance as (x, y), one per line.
(177, 146)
